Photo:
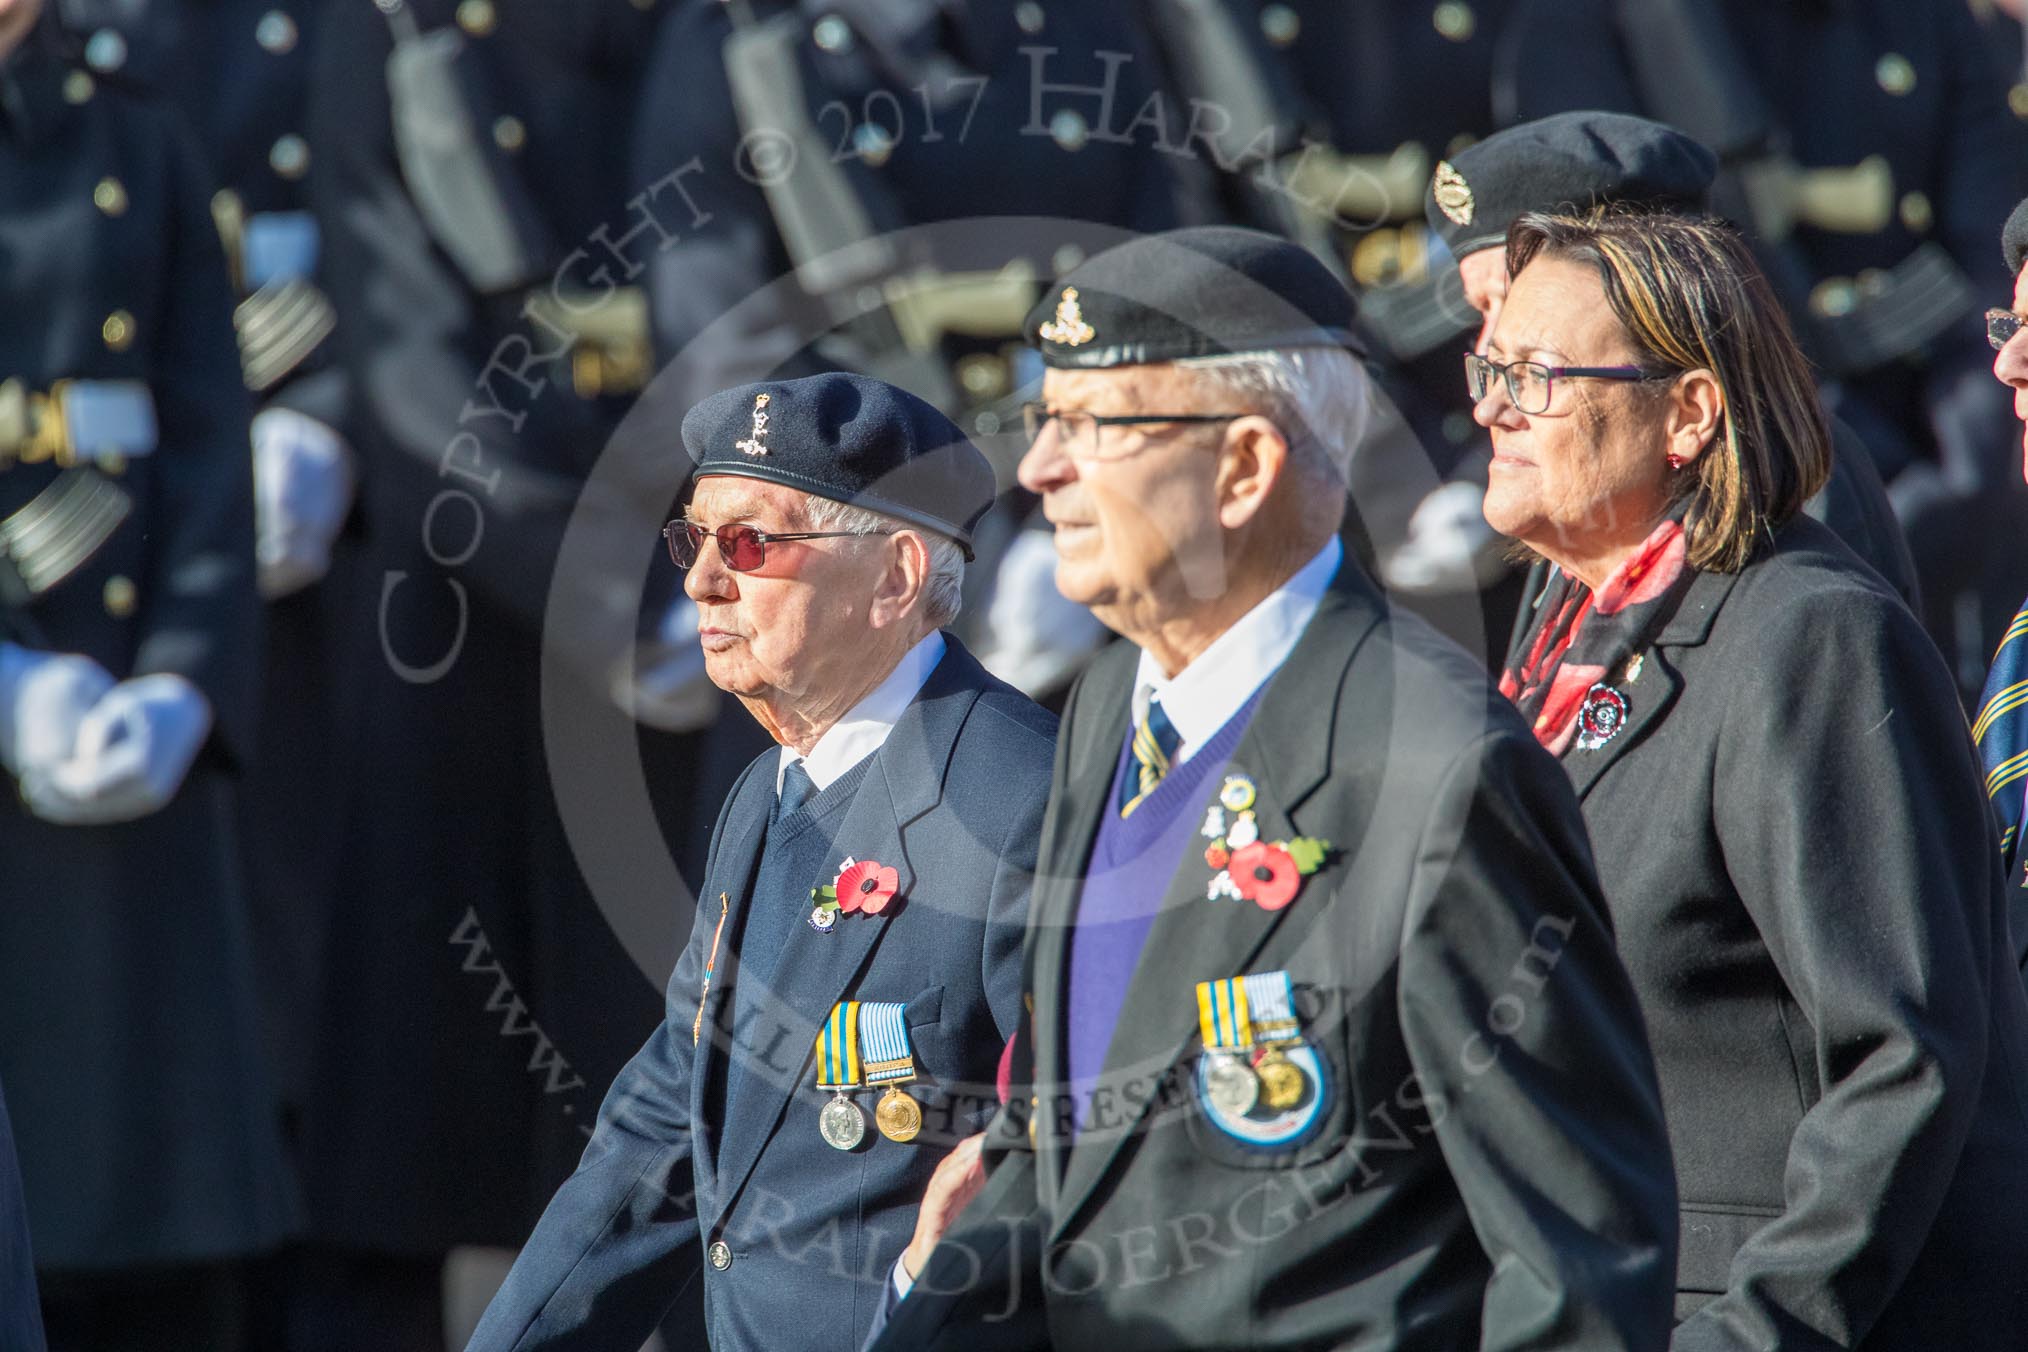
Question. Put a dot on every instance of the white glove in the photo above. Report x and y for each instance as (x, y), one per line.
(1450, 549)
(133, 749)
(668, 688)
(303, 482)
(43, 697)
(1036, 641)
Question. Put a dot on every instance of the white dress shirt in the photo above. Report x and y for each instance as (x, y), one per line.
(861, 731)
(1203, 697)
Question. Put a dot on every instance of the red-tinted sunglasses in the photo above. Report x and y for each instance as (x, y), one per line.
(742, 547)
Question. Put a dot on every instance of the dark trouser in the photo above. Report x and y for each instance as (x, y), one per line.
(344, 1301)
(200, 1308)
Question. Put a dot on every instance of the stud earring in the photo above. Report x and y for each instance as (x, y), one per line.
(1675, 461)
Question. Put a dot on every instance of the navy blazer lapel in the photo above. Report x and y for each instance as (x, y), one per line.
(904, 782)
(1285, 753)
(1658, 682)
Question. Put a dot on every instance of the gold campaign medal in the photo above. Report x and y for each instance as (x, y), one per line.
(1281, 1081)
(898, 1116)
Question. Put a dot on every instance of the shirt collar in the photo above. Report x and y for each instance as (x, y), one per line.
(1203, 697)
(862, 730)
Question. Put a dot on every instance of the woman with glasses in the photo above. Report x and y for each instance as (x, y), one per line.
(1783, 803)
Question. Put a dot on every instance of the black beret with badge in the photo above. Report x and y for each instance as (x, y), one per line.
(1569, 162)
(849, 438)
(2014, 238)
(1199, 292)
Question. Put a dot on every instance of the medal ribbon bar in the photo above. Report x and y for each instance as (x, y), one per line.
(1222, 1015)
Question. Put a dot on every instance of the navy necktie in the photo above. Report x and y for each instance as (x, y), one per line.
(1155, 743)
(797, 790)
(2001, 730)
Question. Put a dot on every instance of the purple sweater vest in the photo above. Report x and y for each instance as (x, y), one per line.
(1132, 863)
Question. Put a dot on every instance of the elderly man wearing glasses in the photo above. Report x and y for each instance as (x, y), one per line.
(1328, 1042)
(853, 973)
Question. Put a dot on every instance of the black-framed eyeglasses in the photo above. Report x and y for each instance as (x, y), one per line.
(1530, 383)
(2001, 326)
(1081, 431)
(742, 547)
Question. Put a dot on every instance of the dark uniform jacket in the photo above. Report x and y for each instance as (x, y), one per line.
(801, 1236)
(128, 1039)
(1488, 1166)
(20, 1314)
(1802, 874)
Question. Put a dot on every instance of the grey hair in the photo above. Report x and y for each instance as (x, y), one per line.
(943, 591)
(1320, 397)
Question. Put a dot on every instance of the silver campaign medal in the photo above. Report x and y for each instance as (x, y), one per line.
(1232, 1085)
(842, 1122)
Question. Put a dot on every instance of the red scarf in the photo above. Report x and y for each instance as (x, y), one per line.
(1580, 636)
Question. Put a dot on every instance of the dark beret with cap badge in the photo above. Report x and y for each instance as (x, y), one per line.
(1199, 292)
(849, 438)
(1569, 162)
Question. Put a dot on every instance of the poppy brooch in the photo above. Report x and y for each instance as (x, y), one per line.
(863, 885)
(1247, 868)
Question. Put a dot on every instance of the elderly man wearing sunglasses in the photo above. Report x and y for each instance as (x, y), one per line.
(2002, 724)
(835, 1022)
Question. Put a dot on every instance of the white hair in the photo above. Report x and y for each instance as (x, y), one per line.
(1320, 397)
(943, 590)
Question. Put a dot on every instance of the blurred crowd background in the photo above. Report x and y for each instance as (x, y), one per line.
(482, 255)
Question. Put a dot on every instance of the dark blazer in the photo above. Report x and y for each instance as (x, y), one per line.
(20, 1312)
(128, 1034)
(802, 1236)
(1803, 876)
(1489, 1166)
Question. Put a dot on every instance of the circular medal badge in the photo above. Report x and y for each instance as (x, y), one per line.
(823, 919)
(1230, 1084)
(1281, 1081)
(843, 1123)
(1601, 717)
(898, 1116)
(1265, 1122)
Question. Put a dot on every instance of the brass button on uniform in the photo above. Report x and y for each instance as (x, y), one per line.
(1280, 24)
(77, 88)
(1895, 74)
(276, 32)
(832, 34)
(121, 596)
(1069, 129)
(476, 17)
(720, 1256)
(105, 50)
(1455, 20)
(110, 196)
(1916, 212)
(118, 330)
(289, 156)
(1028, 17)
(509, 133)
(2017, 100)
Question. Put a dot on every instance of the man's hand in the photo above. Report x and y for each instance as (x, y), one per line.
(43, 698)
(303, 484)
(133, 749)
(955, 1183)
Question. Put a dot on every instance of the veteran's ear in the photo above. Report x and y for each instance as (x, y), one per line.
(1251, 462)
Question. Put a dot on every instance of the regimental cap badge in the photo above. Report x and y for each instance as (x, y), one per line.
(1068, 327)
(1453, 195)
(753, 445)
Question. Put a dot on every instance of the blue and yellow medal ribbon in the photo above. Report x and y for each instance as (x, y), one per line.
(864, 1043)
(1223, 1015)
(838, 1048)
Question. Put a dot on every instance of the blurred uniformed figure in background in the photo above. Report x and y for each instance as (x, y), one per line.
(20, 1311)
(480, 240)
(1870, 150)
(819, 132)
(129, 1043)
(238, 71)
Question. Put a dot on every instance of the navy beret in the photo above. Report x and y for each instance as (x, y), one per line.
(1569, 162)
(1201, 292)
(2014, 238)
(849, 438)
